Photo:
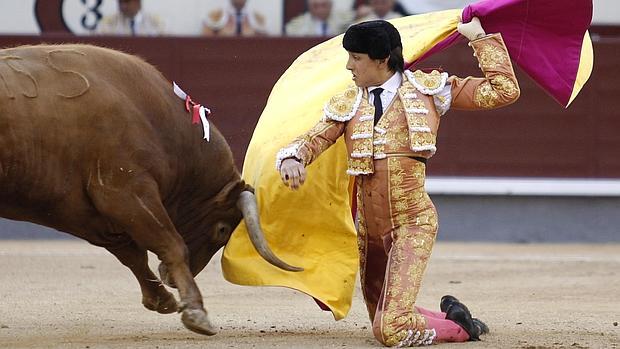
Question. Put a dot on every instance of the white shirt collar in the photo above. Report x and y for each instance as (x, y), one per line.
(391, 85)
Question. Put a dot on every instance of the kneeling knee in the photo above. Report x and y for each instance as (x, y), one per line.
(386, 335)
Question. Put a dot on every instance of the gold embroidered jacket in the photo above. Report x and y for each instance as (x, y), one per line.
(410, 123)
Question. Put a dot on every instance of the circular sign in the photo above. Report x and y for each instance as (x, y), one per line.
(82, 16)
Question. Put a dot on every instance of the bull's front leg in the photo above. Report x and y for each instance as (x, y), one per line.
(138, 209)
(194, 317)
(154, 295)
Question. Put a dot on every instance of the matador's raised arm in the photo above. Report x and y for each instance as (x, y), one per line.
(499, 86)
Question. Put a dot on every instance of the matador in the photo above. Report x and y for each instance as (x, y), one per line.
(389, 120)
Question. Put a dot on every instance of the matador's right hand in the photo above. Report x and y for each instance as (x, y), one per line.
(293, 173)
(472, 30)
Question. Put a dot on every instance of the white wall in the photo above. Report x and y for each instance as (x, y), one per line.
(606, 12)
(17, 17)
(184, 17)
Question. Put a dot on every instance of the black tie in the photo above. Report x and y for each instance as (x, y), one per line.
(238, 25)
(132, 26)
(377, 102)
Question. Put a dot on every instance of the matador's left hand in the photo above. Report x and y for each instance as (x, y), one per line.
(293, 173)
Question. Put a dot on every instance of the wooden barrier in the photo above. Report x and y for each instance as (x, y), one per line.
(534, 137)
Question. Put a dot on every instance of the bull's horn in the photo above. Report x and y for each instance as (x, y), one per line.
(249, 208)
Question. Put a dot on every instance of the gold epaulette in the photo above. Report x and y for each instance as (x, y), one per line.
(343, 106)
(427, 83)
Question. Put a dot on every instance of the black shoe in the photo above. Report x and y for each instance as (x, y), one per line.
(446, 302)
(459, 313)
(484, 329)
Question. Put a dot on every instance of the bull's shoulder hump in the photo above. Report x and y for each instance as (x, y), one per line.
(45, 49)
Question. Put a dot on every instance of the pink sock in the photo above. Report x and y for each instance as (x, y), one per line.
(430, 313)
(446, 330)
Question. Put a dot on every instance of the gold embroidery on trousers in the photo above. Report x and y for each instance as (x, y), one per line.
(362, 235)
(415, 225)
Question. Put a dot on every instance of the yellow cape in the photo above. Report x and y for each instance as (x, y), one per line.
(312, 228)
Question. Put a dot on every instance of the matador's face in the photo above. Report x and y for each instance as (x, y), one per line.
(367, 71)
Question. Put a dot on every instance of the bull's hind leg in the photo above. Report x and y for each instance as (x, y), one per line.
(138, 209)
(154, 295)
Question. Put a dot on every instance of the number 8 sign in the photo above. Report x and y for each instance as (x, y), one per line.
(82, 16)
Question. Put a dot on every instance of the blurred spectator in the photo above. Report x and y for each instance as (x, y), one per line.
(130, 20)
(319, 20)
(377, 9)
(235, 19)
(400, 9)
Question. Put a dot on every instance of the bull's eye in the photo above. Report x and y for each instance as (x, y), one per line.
(223, 228)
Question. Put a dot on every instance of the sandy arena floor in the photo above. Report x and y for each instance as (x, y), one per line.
(68, 294)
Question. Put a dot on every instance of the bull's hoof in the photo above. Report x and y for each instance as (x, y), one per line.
(197, 320)
(164, 304)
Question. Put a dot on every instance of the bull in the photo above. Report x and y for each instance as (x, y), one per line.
(94, 143)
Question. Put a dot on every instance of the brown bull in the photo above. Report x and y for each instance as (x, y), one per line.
(93, 142)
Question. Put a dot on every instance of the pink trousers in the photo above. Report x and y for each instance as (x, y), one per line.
(396, 234)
